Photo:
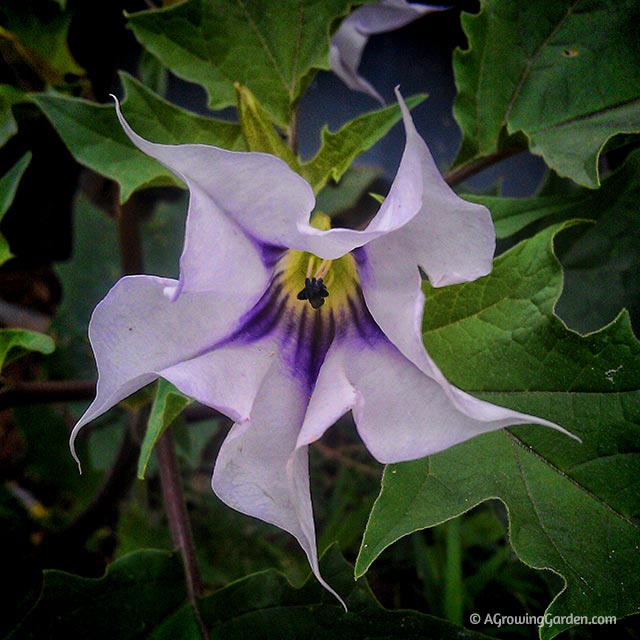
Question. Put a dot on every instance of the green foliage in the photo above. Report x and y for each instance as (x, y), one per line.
(34, 39)
(95, 138)
(15, 343)
(258, 130)
(337, 151)
(340, 149)
(8, 97)
(600, 260)
(561, 78)
(546, 69)
(8, 187)
(146, 591)
(273, 49)
(573, 507)
(167, 406)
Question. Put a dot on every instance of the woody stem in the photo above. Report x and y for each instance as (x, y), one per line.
(131, 260)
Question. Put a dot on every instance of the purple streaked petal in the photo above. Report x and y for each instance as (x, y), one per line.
(136, 331)
(259, 470)
(348, 43)
(333, 395)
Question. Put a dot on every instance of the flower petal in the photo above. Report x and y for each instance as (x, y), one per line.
(240, 202)
(226, 378)
(450, 239)
(403, 202)
(136, 331)
(415, 416)
(259, 470)
(333, 395)
(348, 43)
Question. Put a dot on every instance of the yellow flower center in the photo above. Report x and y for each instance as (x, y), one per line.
(320, 283)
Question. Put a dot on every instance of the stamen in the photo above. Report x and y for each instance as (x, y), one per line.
(323, 269)
(314, 291)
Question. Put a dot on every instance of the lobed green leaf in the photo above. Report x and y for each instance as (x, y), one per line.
(272, 48)
(600, 260)
(340, 149)
(565, 73)
(145, 589)
(573, 507)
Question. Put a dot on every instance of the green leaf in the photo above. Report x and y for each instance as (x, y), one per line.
(142, 595)
(258, 131)
(8, 97)
(14, 343)
(273, 48)
(511, 215)
(600, 260)
(167, 406)
(137, 593)
(8, 187)
(35, 37)
(335, 198)
(340, 149)
(566, 73)
(95, 138)
(573, 507)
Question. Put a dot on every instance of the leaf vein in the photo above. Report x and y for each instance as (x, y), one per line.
(527, 68)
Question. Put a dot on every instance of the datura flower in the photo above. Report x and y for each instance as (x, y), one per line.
(349, 41)
(284, 324)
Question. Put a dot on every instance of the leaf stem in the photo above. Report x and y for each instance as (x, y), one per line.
(470, 169)
(292, 138)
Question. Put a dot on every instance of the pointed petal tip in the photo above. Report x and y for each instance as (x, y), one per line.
(72, 447)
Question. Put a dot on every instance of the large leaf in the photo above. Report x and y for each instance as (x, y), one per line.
(270, 47)
(96, 140)
(135, 595)
(573, 507)
(601, 261)
(566, 72)
(8, 187)
(142, 596)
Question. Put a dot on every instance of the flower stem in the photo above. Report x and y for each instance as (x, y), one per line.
(131, 260)
(179, 524)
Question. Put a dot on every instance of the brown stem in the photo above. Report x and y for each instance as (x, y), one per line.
(20, 393)
(128, 236)
(179, 524)
(131, 260)
(466, 171)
